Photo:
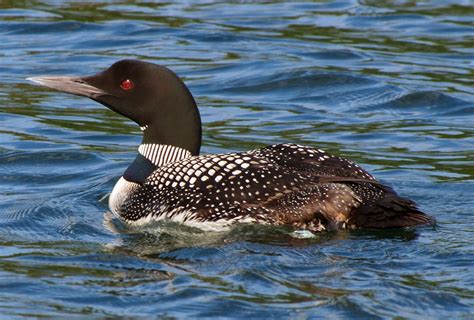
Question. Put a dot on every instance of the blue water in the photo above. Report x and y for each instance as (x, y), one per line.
(387, 84)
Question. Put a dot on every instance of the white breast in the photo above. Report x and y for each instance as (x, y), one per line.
(122, 190)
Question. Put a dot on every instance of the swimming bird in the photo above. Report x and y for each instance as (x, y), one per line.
(281, 184)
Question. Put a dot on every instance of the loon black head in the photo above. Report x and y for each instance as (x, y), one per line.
(151, 95)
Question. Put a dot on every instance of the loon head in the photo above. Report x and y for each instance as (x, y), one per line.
(149, 94)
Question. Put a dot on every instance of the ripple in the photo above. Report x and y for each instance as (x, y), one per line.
(342, 55)
(294, 84)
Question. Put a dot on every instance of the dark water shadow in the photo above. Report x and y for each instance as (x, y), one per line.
(161, 239)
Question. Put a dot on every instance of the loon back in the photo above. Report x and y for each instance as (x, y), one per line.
(283, 184)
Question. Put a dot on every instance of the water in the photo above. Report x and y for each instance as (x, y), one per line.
(389, 85)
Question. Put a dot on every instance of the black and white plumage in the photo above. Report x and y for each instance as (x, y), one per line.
(283, 184)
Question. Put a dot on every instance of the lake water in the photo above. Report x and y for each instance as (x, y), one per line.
(389, 85)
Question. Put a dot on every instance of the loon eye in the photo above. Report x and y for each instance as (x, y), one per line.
(126, 84)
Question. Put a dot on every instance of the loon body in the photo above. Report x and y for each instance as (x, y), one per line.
(283, 184)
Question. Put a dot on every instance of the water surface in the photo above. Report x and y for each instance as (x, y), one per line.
(387, 84)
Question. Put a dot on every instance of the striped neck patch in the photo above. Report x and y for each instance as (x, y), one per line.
(160, 154)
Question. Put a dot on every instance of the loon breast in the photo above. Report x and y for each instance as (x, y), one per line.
(121, 193)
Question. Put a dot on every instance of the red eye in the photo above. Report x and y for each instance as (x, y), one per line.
(126, 84)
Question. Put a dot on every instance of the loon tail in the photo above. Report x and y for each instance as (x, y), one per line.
(391, 211)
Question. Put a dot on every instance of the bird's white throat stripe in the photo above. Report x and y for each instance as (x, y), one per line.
(160, 154)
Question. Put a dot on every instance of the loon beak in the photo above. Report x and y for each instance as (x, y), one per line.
(73, 85)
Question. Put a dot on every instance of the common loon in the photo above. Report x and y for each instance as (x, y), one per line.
(282, 184)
